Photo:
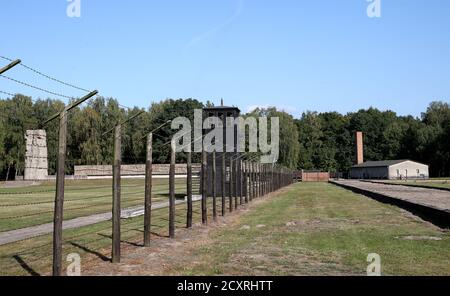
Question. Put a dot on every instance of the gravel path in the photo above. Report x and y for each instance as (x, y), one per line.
(433, 198)
(34, 231)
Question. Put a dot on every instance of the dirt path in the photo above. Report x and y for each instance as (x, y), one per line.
(34, 231)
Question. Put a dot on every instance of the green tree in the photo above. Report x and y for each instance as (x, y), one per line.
(289, 141)
(19, 110)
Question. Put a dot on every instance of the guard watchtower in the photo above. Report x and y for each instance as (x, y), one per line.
(230, 150)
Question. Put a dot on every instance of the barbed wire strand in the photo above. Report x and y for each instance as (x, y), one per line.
(37, 87)
(47, 76)
(6, 93)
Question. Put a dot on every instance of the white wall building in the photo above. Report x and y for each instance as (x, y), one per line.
(390, 169)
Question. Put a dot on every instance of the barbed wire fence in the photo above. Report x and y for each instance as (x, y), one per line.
(219, 185)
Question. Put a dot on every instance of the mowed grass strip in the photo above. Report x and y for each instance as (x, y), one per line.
(30, 206)
(320, 229)
(433, 184)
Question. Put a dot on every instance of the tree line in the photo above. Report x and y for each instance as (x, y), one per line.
(320, 141)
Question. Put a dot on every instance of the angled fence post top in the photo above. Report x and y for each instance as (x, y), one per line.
(71, 106)
(10, 66)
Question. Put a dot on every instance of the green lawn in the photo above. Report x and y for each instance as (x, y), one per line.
(33, 205)
(309, 229)
(92, 243)
(320, 229)
(429, 184)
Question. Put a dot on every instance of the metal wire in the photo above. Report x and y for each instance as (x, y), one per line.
(47, 76)
(6, 93)
(37, 87)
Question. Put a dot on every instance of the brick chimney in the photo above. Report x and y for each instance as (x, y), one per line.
(359, 148)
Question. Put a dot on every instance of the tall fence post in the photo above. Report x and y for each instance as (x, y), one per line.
(236, 180)
(246, 182)
(189, 189)
(231, 184)
(261, 167)
(272, 180)
(172, 189)
(214, 185)
(258, 179)
(116, 194)
(59, 197)
(264, 178)
(260, 187)
(241, 182)
(252, 180)
(148, 191)
(204, 186)
(279, 178)
(58, 214)
(224, 183)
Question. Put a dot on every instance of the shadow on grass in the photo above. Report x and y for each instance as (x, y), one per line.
(87, 250)
(25, 266)
(178, 196)
(123, 241)
(153, 233)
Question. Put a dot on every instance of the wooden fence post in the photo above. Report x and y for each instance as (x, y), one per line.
(236, 183)
(271, 179)
(241, 182)
(172, 189)
(204, 186)
(258, 179)
(231, 184)
(58, 214)
(246, 182)
(59, 197)
(261, 166)
(260, 175)
(266, 174)
(252, 180)
(148, 191)
(224, 183)
(116, 194)
(263, 179)
(214, 185)
(189, 189)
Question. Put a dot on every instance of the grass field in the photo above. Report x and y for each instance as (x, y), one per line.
(34, 256)
(308, 229)
(320, 229)
(441, 183)
(33, 205)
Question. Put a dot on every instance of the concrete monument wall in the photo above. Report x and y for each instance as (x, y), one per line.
(132, 170)
(36, 162)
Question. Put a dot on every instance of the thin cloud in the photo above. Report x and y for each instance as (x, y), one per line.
(210, 33)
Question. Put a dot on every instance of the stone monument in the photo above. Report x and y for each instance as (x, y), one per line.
(36, 162)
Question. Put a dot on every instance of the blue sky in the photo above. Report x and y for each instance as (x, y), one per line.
(294, 54)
